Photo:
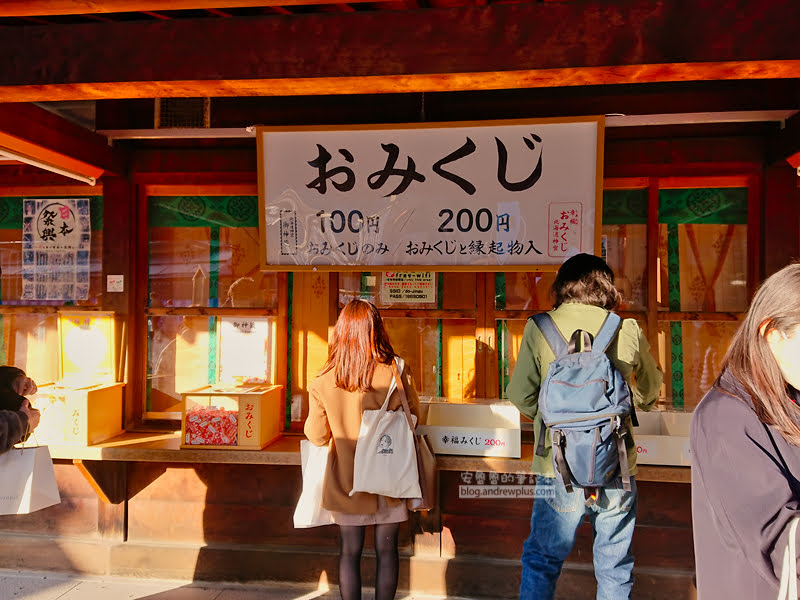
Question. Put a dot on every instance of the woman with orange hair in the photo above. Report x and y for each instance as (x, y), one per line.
(355, 378)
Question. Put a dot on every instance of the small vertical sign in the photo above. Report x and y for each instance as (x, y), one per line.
(565, 228)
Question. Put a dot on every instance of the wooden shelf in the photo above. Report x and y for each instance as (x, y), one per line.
(165, 447)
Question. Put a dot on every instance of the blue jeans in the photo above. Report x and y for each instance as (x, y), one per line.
(555, 519)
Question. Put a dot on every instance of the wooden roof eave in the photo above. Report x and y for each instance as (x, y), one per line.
(33, 132)
(449, 49)
(32, 8)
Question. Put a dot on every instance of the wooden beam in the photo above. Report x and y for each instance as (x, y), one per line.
(388, 84)
(683, 157)
(106, 477)
(641, 99)
(20, 8)
(479, 48)
(39, 134)
(232, 161)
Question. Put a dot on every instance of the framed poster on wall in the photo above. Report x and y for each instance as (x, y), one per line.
(490, 195)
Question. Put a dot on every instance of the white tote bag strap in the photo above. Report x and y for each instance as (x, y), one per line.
(788, 589)
(392, 388)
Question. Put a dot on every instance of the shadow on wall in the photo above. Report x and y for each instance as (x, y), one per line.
(484, 537)
(482, 534)
(233, 523)
(60, 538)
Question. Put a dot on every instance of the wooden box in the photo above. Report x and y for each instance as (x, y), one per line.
(78, 416)
(476, 429)
(662, 438)
(85, 406)
(233, 417)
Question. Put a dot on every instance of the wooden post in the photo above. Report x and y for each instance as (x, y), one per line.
(109, 480)
(653, 273)
(780, 218)
(118, 229)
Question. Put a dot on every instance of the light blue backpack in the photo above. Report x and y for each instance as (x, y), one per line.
(585, 401)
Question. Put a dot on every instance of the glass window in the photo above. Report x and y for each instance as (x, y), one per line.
(188, 352)
(73, 267)
(204, 252)
(437, 338)
(204, 283)
(702, 283)
(702, 269)
(624, 244)
(28, 341)
(703, 249)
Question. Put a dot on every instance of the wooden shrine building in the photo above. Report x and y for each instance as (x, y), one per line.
(144, 114)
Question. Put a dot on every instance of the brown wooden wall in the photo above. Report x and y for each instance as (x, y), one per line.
(234, 522)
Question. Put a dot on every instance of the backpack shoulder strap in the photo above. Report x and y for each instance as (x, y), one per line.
(555, 339)
(607, 333)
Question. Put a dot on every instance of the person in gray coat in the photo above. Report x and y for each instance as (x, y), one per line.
(16, 425)
(745, 444)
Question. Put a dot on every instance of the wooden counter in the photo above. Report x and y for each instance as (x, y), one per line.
(165, 448)
(140, 504)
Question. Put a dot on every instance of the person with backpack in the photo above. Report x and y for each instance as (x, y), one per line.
(580, 370)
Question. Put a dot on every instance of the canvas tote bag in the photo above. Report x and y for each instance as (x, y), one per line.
(29, 481)
(309, 511)
(385, 460)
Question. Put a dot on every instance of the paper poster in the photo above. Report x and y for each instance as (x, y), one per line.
(408, 287)
(56, 240)
(244, 348)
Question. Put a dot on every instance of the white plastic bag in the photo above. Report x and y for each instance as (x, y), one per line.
(385, 459)
(29, 481)
(309, 511)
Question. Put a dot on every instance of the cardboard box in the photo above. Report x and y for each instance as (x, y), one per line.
(475, 429)
(84, 406)
(662, 438)
(232, 417)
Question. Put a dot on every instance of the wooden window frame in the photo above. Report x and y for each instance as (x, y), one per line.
(651, 314)
(144, 192)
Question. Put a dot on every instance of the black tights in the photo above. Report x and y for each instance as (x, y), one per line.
(387, 561)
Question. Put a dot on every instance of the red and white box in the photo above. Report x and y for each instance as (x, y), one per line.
(236, 417)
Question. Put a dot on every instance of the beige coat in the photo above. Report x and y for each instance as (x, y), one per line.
(336, 412)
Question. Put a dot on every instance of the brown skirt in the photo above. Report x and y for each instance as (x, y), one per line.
(385, 514)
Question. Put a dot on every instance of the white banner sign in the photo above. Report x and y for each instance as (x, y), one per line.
(481, 195)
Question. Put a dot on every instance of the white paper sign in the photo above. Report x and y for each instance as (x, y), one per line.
(408, 287)
(244, 344)
(115, 283)
(489, 195)
(646, 450)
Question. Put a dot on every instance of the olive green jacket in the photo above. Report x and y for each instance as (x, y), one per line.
(630, 353)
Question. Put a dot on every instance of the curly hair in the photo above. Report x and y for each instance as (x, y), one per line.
(585, 279)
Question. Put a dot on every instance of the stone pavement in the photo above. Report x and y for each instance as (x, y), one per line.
(37, 585)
